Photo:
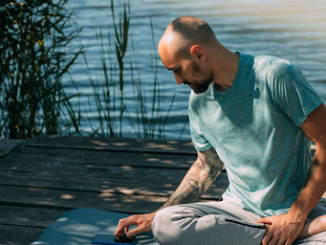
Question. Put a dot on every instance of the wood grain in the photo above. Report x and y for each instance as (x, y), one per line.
(43, 178)
(29, 216)
(155, 187)
(18, 235)
(7, 146)
(116, 144)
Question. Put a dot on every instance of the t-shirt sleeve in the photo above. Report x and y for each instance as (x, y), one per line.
(197, 137)
(292, 93)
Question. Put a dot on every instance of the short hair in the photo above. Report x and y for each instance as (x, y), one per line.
(194, 31)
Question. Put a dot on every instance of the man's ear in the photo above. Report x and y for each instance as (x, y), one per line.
(198, 52)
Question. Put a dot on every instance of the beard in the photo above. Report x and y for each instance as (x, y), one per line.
(201, 86)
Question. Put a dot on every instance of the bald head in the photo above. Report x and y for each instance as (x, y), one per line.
(193, 30)
(184, 32)
(190, 49)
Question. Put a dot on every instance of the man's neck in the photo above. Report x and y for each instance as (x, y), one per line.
(226, 70)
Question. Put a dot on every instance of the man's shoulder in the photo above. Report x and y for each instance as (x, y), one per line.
(274, 70)
(272, 65)
(266, 67)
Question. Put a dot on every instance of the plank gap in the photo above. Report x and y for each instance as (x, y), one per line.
(31, 205)
(117, 192)
(114, 150)
(20, 225)
(7, 146)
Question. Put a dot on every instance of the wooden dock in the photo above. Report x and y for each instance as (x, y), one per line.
(43, 178)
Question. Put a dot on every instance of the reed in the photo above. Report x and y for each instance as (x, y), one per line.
(121, 44)
(35, 35)
(35, 54)
(153, 122)
(115, 110)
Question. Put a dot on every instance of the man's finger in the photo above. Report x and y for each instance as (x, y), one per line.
(266, 239)
(282, 241)
(275, 240)
(123, 223)
(266, 220)
(135, 231)
(268, 235)
(289, 240)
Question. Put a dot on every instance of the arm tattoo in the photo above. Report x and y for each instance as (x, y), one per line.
(313, 167)
(198, 179)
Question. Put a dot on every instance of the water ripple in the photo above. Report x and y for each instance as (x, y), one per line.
(294, 30)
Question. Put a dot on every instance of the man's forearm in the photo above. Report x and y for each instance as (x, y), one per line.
(197, 180)
(314, 127)
(191, 188)
(314, 187)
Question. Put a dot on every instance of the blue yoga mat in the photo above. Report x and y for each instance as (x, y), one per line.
(79, 226)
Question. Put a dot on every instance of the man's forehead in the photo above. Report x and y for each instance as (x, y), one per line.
(168, 55)
(170, 65)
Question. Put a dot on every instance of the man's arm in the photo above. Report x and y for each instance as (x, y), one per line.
(284, 229)
(198, 179)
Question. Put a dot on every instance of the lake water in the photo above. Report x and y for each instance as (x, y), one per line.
(294, 30)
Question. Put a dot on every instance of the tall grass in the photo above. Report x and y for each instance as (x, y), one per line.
(35, 55)
(121, 44)
(35, 35)
(153, 122)
(145, 119)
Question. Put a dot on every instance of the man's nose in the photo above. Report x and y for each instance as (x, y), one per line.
(178, 79)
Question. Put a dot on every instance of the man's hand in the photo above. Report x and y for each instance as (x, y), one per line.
(197, 180)
(143, 221)
(281, 229)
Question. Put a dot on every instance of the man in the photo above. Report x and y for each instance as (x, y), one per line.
(254, 114)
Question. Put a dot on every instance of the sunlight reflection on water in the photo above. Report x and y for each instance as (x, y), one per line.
(294, 30)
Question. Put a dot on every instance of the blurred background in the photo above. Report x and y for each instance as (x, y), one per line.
(294, 30)
(118, 87)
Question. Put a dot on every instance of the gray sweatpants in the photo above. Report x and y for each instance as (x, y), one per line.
(216, 223)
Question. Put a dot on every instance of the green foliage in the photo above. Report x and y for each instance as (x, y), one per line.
(34, 54)
(121, 44)
(121, 37)
(151, 123)
(35, 35)
(148, 119)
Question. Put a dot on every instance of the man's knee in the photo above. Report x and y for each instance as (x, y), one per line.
(164, 228)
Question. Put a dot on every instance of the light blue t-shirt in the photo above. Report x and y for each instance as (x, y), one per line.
(254, 126)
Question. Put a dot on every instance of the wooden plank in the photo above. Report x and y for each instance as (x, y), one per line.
(34, 165)
(71, 181)
(119, 144)
(7, 146)
(29, 216)
(135, 180)
(18, 235)
(45, 197)
(107, 185)
(105, 157)
(115, 144)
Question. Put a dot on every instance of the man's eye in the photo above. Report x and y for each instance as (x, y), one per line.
(176, 70)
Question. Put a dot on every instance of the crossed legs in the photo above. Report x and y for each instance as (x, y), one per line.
(224, 223)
